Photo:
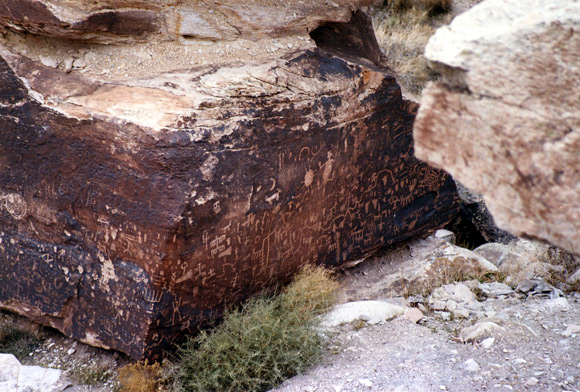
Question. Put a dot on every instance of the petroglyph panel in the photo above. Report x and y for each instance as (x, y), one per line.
(126, 236)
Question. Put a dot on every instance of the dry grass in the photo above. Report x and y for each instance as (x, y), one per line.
(403, 28)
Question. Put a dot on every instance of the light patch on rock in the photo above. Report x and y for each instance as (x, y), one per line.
(208, 167)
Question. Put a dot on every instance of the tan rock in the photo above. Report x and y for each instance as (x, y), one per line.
(505, 120)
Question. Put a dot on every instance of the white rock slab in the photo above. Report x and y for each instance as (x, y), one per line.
(17, 378)
(373, 312)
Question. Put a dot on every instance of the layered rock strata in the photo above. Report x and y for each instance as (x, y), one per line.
(505, 120)
(137, 199)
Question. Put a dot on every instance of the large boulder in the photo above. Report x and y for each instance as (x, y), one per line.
(150, 184)
(505, 119)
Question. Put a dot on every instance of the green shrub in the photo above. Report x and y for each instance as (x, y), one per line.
(258, 346)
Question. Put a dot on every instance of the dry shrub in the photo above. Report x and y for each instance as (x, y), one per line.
(312, 292)
(140, 377)
(258, 346)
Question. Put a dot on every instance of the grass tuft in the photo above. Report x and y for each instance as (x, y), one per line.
(265, 342)
(17, 340)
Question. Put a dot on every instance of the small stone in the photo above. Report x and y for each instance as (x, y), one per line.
(487, 343)
(571, 329)
(531, 382)
(471, 366)
(445, 235)
(79, 63)
(68, 65)
(443, 387)
(445, 316)
(413, 314)
(71, 351)
(495, 289)
(480, 331)
(461, 313)
(49, 61)
(365, 382)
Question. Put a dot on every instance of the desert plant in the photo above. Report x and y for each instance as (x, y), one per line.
(140, 377)
(18, 340)
(261, 344)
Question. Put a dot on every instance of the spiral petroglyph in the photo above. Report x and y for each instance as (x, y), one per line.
(14, 204)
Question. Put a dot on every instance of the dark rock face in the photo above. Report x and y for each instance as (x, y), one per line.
(131, 211)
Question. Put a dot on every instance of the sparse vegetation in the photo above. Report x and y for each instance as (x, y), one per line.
(91, 374)
(18, 340)
(403, 28)
(261, 344)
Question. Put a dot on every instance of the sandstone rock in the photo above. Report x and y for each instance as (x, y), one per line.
(137, 198)
(373, 312)
(503, 120)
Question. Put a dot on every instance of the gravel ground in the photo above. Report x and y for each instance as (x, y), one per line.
(532, 353)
